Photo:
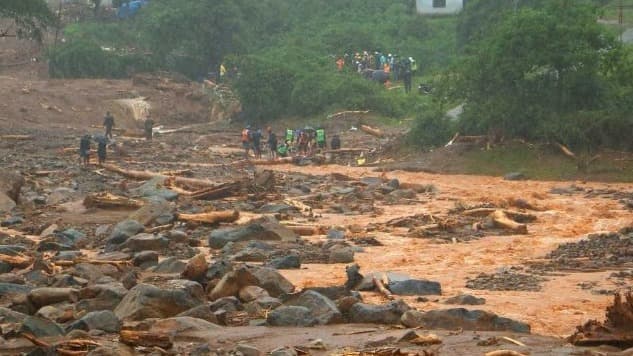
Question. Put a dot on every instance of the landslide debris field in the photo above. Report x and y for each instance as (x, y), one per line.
(180, 246)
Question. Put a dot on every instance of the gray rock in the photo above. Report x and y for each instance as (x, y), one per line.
(104, 320)
(341, 254)
(291, 316)
(40, 327)
(40, 297)
(170, 265)
(412, 318)
(145, 259)
(155, 188)
(403, 194)
(70, 237)
(100, 297)
(51, 313)
(67, 255)
(272, 281)
(367, 283)
(12, 250)
(12, 221)
(147, 301)
(251, 293)
(177, 236)
(394, 183)
(291, 261)
(230, 304)
(266, 230)
(321, 308)
(218, 269)
(155, 209)
(284, 351)
(102, 230)
(389, 313)
(465, 299)
(202, 311)
(180, 325)
(335, 234)
(10, 316)
(124, 230)
(515, 176)
(248, 350)
(145, 242)
(479, 320)
(60, 195)
(5, 268)
(275, 209)
(415, 287)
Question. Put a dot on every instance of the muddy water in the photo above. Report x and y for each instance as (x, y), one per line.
(555, 310)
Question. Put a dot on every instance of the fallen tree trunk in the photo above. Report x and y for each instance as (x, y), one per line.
(16, 137)
(265, 162)
(211, 218)
(147, 175)
(145, 339)
(372, 131)
(343, 113)
(120, 265)
(219, 192)
(514, 215)
(500, 219)
(106, 200)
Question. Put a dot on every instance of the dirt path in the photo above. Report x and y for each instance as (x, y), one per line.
(555, 310)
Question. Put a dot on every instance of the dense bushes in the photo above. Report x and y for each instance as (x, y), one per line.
(84, 59)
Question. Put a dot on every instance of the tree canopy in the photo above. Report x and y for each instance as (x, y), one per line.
(28, 18)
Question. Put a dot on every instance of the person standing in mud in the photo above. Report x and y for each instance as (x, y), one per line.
(102, 143)
(257, 143)
(149, 125)
(272, 143)
(108, 124)
(84, 150)
(321, 140)
(246, 140)
(335, 144)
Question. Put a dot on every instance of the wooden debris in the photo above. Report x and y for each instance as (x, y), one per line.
(426, 340)
(344, 113)
(304, 230)
(107, 200)
(158, 229)
(65, 348)
(516, 342)
(145, 339)
(382, 289)
(16, 137)
(617, 330)
(18, 261)
(217, 192)
(304, 209)
(267, 162)
(504, 353)
(146, 175)
(501, 219)
(372, 131)
(514, 215)
(212, 218)
(120, 265)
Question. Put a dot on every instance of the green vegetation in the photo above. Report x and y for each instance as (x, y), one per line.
(27, 18)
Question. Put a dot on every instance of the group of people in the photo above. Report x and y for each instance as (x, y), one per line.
(85, 143)
(302, 142)
(394, 66)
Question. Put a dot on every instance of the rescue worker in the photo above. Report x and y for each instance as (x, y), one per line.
(282, 150)
(290, 135)
(246, 140)
(84, 150)
(406, 77)
(256, 139)
(320, 138)
(108, 124)
(335, 144)
(272, 143)
(149, 133)
(102, 143)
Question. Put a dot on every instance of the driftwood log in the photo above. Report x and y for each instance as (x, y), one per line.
(211, 218)
(147, 175)
(145, 339)
(18, 261)
(382, 289)
(105, 200)
(372, 130)
(501, 219)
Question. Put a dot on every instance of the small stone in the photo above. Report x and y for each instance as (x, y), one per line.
(291, 316)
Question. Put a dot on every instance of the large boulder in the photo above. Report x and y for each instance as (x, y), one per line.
(145, 242)
(124, 230)
(415, 287)
(147, 301)
(155, 187)
(10, 316)
(389, 313)
(11, 183)
(170, 265)
(100, 297)
(104, 320)
(465, 299)
(272, 281)
(232, 283)
(290, 261)
(321, 308)
(155, 209)
(291, 316)
(40, 327)
(263, 230)
(479, 320)
(40, 297)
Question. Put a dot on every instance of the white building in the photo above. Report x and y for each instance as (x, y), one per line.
(439, 7)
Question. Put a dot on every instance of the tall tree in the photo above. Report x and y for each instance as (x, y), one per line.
(26, 18)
